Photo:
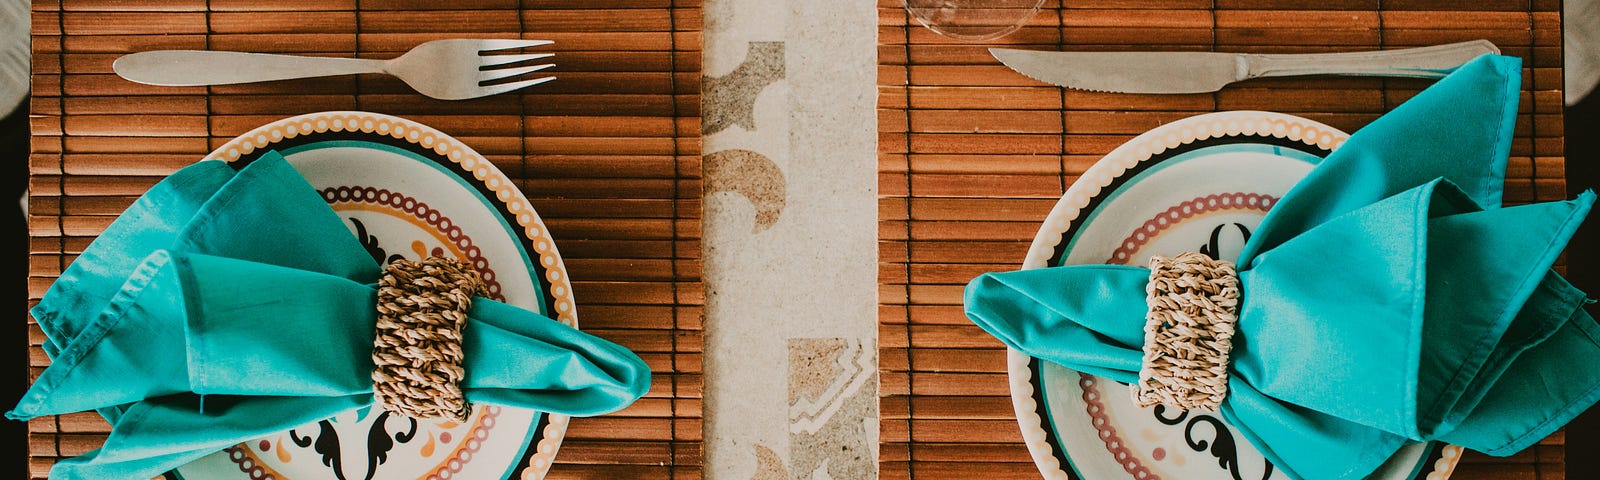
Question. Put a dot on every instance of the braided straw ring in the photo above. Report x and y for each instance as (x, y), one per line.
(1194, 303)
(422, 307)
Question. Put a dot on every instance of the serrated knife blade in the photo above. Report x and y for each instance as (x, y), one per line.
(1201, 72)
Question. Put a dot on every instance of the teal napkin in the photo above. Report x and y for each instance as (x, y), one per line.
(1386, 299)
(224, 306)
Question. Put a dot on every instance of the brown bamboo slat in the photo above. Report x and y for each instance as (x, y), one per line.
(972, 157)
(609, 155)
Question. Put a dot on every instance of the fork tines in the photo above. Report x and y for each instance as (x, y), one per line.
(489, 73)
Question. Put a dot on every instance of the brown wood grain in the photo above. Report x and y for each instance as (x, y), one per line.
(972, 156)
(608, 154)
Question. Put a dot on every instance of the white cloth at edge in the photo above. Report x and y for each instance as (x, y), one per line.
(1581, 34)
(14, 45)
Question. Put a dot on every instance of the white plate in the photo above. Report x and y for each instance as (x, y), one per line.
(408, 190)
(1199, 184)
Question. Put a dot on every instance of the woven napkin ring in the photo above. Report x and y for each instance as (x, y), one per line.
(422, 307)
(1188, 332)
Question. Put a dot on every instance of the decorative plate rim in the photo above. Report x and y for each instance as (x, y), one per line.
(1099, 175)
(470, 160)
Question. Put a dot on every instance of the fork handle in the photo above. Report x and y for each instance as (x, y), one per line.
(1424, 62)
(185, 68)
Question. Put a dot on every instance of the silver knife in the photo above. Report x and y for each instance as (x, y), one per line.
(1200, 72)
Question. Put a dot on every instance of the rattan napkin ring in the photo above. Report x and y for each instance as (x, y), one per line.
(1188, 332)
(422, 307)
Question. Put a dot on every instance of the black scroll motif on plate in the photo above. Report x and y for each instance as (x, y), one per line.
(379, 443)
(327, 445)
(370, 242)
(1213, 248)
(1221, 444)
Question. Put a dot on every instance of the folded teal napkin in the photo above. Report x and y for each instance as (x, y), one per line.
(1387, 298)
(227, 305)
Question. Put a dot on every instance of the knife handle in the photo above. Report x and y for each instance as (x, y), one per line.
(1424, 62)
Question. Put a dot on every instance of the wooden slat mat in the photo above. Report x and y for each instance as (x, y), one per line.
(973, 156)
(608, 153)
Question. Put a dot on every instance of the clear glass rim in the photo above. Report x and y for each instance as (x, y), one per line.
(948, 31)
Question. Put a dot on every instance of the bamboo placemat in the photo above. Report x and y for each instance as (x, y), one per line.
(972, 156)
(608, 154)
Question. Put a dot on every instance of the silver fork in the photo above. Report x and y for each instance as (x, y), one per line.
(442, 69)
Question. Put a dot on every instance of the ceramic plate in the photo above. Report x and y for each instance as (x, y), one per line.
(1198, 184)
(408, 191)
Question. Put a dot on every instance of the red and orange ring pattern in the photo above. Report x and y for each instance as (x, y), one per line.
(396, 203)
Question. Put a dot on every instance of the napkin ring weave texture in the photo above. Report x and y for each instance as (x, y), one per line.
(1188, 332)
(422, 307)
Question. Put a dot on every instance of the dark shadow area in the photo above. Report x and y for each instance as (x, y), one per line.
(1583, 265)
(14, 156)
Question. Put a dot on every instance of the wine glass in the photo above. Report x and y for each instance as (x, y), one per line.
(972, 20)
